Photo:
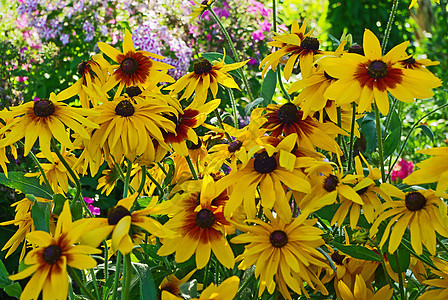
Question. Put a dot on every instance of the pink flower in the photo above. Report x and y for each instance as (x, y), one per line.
(402, 170)
(258, 35)
(94, 210)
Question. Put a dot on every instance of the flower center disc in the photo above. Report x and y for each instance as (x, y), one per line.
(205, 218)
(358, 49)
(51, 254)
(234, 146)
(202, 66)
(278, 238)
(337, 258)
(414, 201)
(117, 214)
(43, 108)
(133, 91)
(310, 43)
(82, 67)
(129, 66)
(264, 164)
(124, 108)
(288, 113)
(330, 183)
(377, 69)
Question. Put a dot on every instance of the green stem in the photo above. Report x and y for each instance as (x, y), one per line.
(127, 179)
(106, 262)
(279, 69)
(127, 277)
(207, 267)
(79, 282)
(389, 25)
(352, 133)
(159, 187)
(36, 161)
(389, 115)
(142, 183)
(379, 138)
(70, 171)
(162, 168)
(244, 285)
(95, 284)
(410, 132)
(117, 275)
(234, 110)
(442, 245)
(328, 257)
(400, 277)
(383, 263)
(340, 138)
(193, 171)
(235, 54)
(221, 125)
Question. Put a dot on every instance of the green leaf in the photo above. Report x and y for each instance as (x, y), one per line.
(148, 289)
(144, 201)
(58, 201)
(357, 251)
(76, 210)
(252, 105)
(26, 185)
(404, 259)
(40, 213)
(268, 87)
(4, 280)
(368, 129)
(151, 250)
(391, 142)
(13, 290)
(427, 131)
(189, 289)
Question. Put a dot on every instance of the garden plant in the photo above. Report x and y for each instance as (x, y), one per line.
(224, 150)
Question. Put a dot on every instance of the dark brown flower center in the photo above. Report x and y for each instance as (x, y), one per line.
(264, 163)
(234, 146)
(330, 183)
(133, 91)
(377, 69)
(288, 113)
(129, 66)
(124, 108)
(193, 146)
(116, 214)
(43, 108)
(202, 66)
(205, 218)
(337, 258)
(414, 201)
(362, 191)
(51, 254)
(278, 238)
(358, 49)
(310, 43)
(82, 68)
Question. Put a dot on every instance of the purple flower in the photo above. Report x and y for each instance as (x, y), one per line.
(94, 210)
(64, 38)
(258, 35)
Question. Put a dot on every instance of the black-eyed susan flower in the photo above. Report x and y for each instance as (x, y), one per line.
(199, 7)
(200, 227)
(421, 211)
(283, 254)
(225, 291)
(135, 68)
(440, 290)
(122, 225)
(44, 119)
(49, 261)
(108, 180)
(206, 76)
(367, 79)
(300, 45)
(171, 284)
(362, 292)
(287, 119)
(434, 169)
(271, 169)
(127, 128)
(417, 64)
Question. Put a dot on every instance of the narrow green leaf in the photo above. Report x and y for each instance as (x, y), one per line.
(40, 213)
(26, 185)
(404, 259)
(250, 106)
(391, 142)
(268, 87)
(148, 289)
(427, 131)
(368, 129)
(357, 251)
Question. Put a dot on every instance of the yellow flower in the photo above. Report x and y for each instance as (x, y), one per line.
(421, 210)
(108, 179)
(286, 251)
(201, 228)
(206, 76)
(201, 7)
(48, 262)
(441, 284)
(368, 78)
(45, 119)
(225, 291)
(123, 225)
(171, 284)
(434, 169)
(415, 1)
(135, 68)
(361, 292)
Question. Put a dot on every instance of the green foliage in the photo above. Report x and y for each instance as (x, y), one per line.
(26, 185)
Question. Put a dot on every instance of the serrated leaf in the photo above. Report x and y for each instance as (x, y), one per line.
(427, 131)
(391, 142)
(26, 185)
(268, 87)
(357, 251)
(148, 289)
(40, 213)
